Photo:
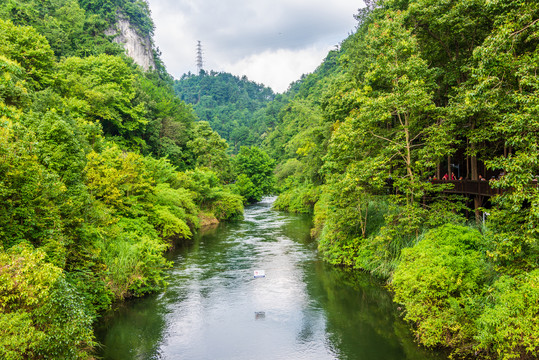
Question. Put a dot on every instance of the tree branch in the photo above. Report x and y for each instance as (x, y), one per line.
(390, 141)
(525, 27)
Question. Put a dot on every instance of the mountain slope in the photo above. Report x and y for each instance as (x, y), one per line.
(234, 107)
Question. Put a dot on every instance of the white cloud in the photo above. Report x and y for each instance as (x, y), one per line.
(277, 69)
(270, 41)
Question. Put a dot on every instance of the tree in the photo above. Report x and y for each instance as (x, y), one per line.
(396, 114)
(209, 148)
(102, 88)
(504, 89)
(257, 170)
(30, 50)
(30, 195)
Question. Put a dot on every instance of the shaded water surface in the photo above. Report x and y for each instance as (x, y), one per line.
(214, 308)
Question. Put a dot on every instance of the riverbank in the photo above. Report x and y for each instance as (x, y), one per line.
(456, 289)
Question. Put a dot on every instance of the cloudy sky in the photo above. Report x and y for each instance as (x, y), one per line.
(272, 42)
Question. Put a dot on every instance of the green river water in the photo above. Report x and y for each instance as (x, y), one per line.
(214, 308)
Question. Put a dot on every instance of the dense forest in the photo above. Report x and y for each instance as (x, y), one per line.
(421, 89)
(239, 110)
(105, 166)
(102, 169)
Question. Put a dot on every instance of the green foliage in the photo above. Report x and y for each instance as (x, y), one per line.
(508, 326)
(101, 88)
(257, 168)
(12, 84)
(30, 195)
(170, 122)
(346, 234)
(228, 206)
(118, 179)
(202, 182)
(299, 200)
(234, 107)
(30, 50)
(209, 193)
(69, 29)
(77, 180)
(41, 316)
(502, 94)
(132, 253)
(209, 149)
(245, 187)
(179, 202)
(440, 280)
(137, 11)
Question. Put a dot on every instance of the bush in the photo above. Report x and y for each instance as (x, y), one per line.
(245, 187)
(509, 326)
(133, 255)
(439, 281)
(343, 242)
(41, 316)
(228, 206)
(300, 200)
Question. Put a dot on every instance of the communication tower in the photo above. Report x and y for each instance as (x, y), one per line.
(200, 62)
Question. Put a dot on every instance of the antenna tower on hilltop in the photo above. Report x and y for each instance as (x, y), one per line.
(200, 63)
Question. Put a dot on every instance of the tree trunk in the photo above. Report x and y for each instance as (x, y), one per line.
(478, 201)
(473, 165)
(473, 159)
(468, 177)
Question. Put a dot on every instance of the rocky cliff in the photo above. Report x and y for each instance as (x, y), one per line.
(139, 48)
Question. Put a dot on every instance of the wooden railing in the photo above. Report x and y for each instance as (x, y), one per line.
(469, 187)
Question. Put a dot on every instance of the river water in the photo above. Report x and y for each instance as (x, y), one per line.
(214, 307)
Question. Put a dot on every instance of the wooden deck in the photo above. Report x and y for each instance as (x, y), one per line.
(469, 187)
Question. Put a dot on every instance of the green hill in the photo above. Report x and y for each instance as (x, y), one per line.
(234, 107)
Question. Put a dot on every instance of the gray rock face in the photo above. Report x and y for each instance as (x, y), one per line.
(137, 47)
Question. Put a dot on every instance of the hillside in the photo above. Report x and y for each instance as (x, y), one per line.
(425, 88)
(236, 108)
(103, 169)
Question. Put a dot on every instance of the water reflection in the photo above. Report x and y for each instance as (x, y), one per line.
(303, 309)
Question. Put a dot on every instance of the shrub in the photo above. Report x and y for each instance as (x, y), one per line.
(41, 316)
(439, 281)
(228, 206)
(509, 326)
(133, 255)
(245, 187)
(300, 200)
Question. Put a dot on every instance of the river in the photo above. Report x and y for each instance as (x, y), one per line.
(214, 307)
